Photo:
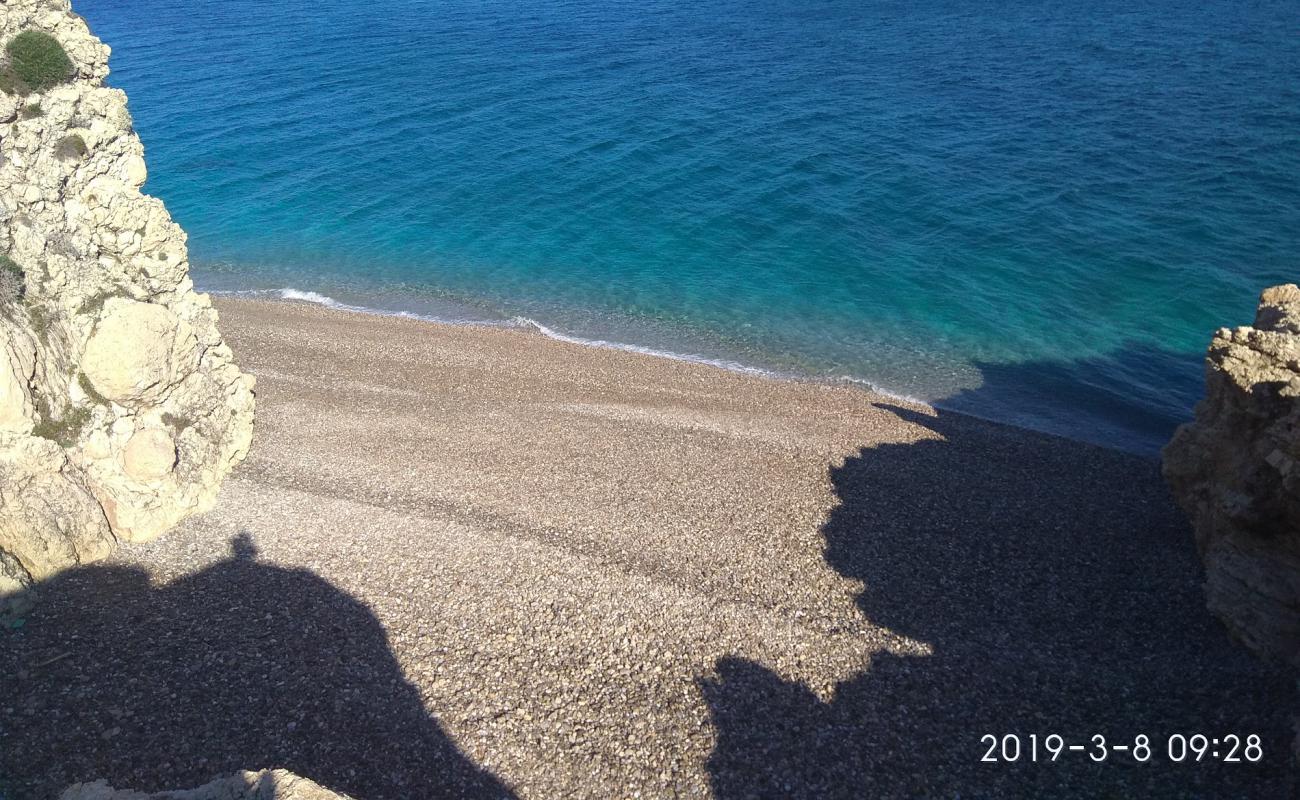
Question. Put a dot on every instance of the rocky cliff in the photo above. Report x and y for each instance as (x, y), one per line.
(121, 409)
(1236, 472)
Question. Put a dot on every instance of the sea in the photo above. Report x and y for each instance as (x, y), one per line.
(1035, 212)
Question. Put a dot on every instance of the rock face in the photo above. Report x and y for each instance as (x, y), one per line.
(1236, 472)
(121, 409)
(268, 784)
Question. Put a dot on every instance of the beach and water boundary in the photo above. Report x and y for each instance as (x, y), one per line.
(495, 559)
(1037, 214)
(587, 572)
(1144, 440)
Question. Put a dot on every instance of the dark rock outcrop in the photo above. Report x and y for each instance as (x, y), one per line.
(1235, 470)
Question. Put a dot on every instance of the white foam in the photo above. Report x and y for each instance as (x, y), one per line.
(289, 293)
(306, 296)
(734, 366)
(877, 389)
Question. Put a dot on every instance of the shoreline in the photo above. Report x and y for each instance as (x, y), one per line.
(461, 558)
(289, 295)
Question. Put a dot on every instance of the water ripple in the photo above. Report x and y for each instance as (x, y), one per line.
(1036, 212)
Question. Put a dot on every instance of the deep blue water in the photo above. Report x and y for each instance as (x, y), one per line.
(1036, 212)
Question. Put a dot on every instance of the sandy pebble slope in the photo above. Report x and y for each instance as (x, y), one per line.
(603, 574)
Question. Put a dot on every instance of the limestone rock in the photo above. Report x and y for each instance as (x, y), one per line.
(17, 363)
(121, 408)
(149, 455)
(1235, 470)
(267, 784)
(16, 593)
(47, 517)
(136, 352)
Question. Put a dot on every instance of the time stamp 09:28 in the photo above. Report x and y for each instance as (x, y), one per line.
(1177, 748)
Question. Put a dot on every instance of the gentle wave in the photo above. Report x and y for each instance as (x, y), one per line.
(309, 297)
(733, 366)
(291, 294)
(302, 296)
(877, 389)
(1037, 213)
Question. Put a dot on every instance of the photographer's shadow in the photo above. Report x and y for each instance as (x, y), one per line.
(243, 665)
(1058, 587)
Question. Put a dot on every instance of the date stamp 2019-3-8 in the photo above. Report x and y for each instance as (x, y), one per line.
(1176, 748)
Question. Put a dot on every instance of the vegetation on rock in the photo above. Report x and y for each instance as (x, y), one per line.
(177, 422)
(65, 428)
(71, 147)
(42, 322)
(11, 283)
(36, 62)
(90, 391)
(95, 304)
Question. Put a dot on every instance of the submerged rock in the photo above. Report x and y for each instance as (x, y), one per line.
(267, 784)
(1235, 470)
(121, 409)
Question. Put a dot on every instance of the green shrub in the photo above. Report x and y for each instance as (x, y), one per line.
(96, 302)
(32, 111)
(12, 283)
(63, 430)
(71, 147)
(89, 389)
(177, 423)
(42, 322)
(62, 243)
(36, 62)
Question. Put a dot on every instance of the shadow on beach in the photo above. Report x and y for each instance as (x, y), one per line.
(1059, 589)
(242, 665)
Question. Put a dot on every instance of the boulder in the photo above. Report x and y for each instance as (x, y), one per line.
(267, 784)
(149, 455)
(1235, 470)
(47, 517)
(136, 352)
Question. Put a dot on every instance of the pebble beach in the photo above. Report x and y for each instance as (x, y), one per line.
(477, 562)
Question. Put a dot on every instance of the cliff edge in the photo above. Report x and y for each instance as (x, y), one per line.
(1235, 470)
(121, 409)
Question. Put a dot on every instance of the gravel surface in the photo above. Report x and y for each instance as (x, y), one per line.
(472, 562)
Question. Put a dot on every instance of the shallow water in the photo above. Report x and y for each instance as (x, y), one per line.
(1036, 213)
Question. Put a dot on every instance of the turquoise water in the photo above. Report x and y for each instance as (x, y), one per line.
(1034, 212)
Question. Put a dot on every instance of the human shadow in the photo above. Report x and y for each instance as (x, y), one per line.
(242, 665)
(1058, 588)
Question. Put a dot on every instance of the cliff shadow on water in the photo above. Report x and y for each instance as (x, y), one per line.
(242, 665)
(1131, 398)
(1060, 591)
